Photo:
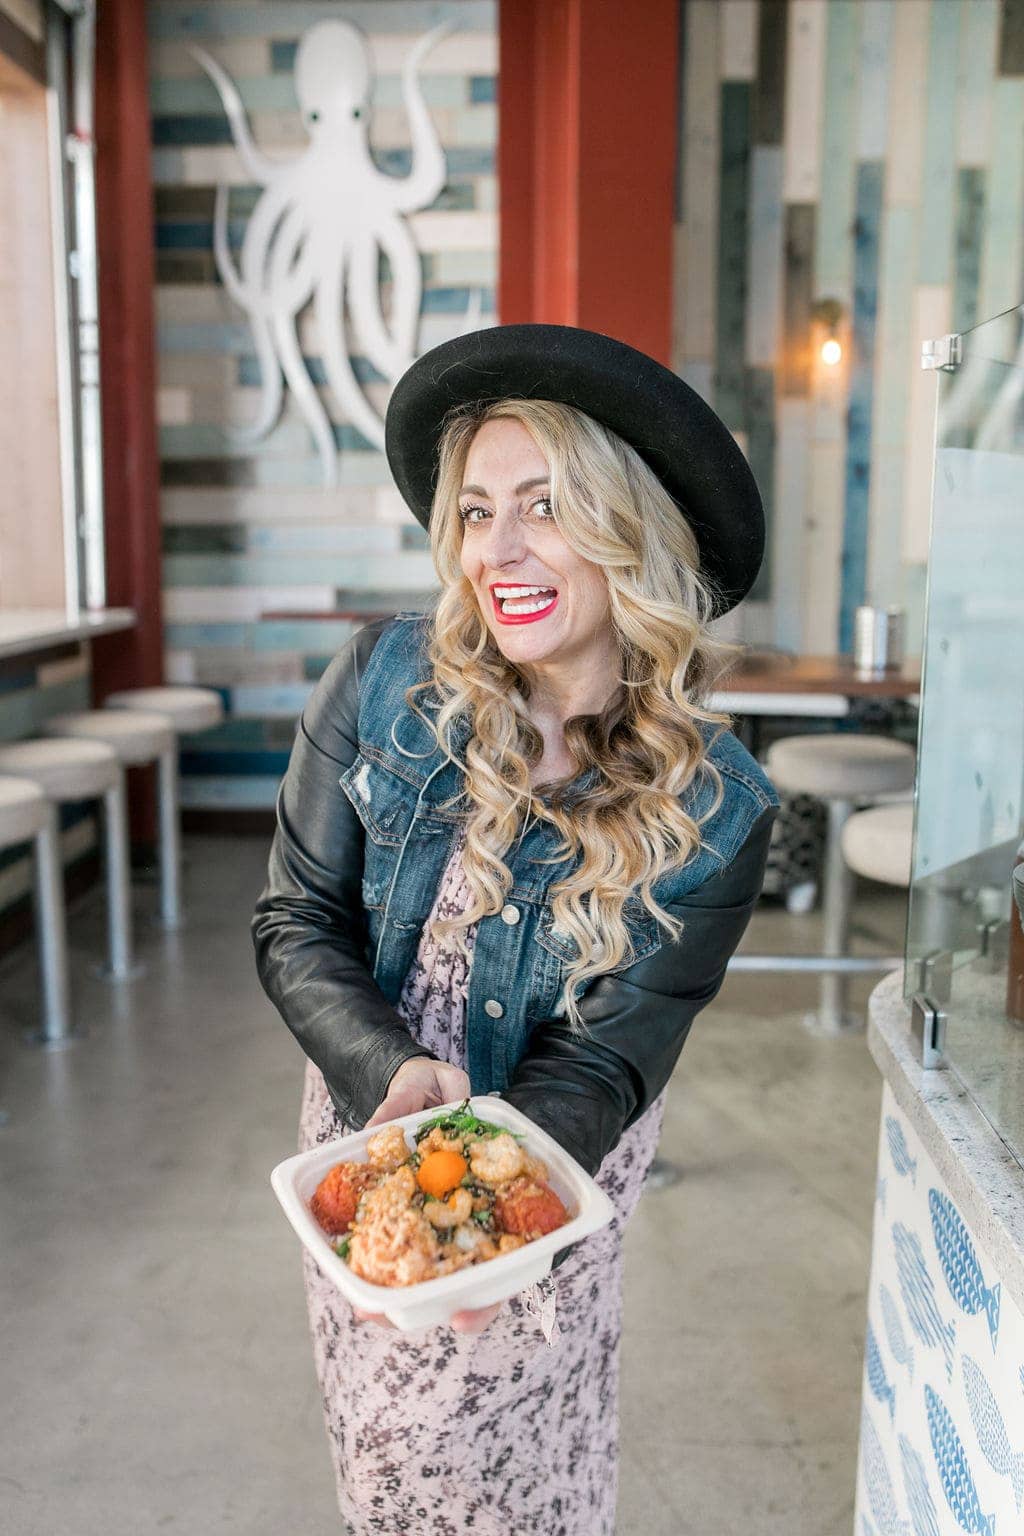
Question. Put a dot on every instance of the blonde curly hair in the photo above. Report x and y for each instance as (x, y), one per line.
(645, 745)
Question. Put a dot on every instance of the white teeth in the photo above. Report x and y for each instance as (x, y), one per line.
(503, 592)
(509, 607)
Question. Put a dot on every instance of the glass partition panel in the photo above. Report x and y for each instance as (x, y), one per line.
(969, 816)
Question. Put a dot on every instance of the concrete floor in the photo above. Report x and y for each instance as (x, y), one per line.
(156, 1371)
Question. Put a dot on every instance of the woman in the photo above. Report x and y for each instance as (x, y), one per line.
(514, 854)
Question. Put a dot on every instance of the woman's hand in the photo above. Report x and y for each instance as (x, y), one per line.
(469, 1320)
(420, 1083)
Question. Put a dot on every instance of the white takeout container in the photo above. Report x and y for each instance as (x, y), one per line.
(478, 1285)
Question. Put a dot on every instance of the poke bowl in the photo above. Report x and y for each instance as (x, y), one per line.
(458, 1206)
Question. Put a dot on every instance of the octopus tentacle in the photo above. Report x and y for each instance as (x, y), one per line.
(328, 308)
(258, 165)
(306, 397)
(427, 176)
(390, 351)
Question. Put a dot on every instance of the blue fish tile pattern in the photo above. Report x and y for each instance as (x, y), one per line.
(960, 1263)
(878, 1482)
(990, 1428)
(918, 1290)
(877, 1379)
(954, 1469)
(898, 1151)
(902, 1349)
(944, 1454)
(923, 1514)
(880, 1193)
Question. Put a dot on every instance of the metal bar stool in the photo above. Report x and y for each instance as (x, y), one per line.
(26, 815)
(186, 710)
(67, 771)
(841, 770)
(139, 738)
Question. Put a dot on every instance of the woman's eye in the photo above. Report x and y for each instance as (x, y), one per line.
(545, 501)
(468, 514)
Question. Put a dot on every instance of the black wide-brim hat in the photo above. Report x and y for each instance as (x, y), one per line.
(674, 431)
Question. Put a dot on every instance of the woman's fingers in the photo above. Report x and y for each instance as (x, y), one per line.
(474, 1320)
(379, 1318)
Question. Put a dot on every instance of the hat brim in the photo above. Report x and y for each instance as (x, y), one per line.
(674, 431)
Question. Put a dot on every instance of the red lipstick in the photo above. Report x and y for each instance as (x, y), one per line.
(521, 618)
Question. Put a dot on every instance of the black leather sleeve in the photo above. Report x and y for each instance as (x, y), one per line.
(586, 1092)
(309, 928)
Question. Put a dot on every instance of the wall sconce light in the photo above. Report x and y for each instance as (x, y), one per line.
(828, 313)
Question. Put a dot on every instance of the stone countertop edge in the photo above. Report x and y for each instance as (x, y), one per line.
(984, 1178)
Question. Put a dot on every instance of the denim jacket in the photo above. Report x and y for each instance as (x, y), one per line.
(368, 816)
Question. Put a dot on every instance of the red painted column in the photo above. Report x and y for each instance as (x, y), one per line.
(127, 279)
(587, 151)
(127, 287)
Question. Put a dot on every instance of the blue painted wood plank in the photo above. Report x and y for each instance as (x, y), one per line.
(868, 208)
(873, 87)
(970, 222)
(249, 376)
(245, 792)
(764, 271)
(833, 253)
(231, 764)
(938, 184)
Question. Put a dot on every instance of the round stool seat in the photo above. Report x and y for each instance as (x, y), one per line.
(189, 709)
(877, 843)
(63, 769)
(134, 736)
(24, 811)
(840, 767)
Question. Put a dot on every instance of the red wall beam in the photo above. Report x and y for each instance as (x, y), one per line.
(127, 284)
(587, 151)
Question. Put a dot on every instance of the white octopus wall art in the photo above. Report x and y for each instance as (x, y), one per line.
(316, 231)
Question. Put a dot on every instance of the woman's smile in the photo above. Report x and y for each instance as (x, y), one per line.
(545, 604)
(522, 605)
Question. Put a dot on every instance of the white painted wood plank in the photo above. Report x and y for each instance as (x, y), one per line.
(701, 152)
(875, 24)
(792, 428)
(213, 605)
(738, 42)
(932, 316)
(1000, 286)
(908, 87)
(976, 71)
(805, 76)
(823, 529)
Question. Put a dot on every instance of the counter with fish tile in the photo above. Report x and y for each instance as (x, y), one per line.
(942, 1422)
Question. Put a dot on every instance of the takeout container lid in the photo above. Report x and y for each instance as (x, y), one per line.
(478, 1285)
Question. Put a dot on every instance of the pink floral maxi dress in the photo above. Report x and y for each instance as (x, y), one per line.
(510, 1432)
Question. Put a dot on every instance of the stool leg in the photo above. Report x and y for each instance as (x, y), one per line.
(51, 933)
(837, 901)
(119, 894)
(170, 839)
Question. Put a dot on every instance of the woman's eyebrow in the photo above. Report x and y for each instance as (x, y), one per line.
(524, 485)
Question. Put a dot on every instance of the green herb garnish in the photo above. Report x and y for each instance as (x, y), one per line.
(461, 1121)
(341, 1247)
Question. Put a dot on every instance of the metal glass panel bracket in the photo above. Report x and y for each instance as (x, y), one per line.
(928, 1031)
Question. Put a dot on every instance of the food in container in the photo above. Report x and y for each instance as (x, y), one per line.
(442, 1210)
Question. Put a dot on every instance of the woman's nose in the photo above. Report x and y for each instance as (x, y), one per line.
(504, 542)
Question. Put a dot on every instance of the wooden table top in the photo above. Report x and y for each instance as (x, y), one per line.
(773, 672)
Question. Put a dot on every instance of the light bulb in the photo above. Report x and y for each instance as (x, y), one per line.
(831, 352)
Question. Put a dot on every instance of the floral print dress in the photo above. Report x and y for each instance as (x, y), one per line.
(509, 1432)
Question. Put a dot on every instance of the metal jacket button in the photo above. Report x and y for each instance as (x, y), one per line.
(493, 1009)
(510, 915)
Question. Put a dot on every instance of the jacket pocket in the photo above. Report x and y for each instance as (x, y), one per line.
(644, 932)
(383, 802)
